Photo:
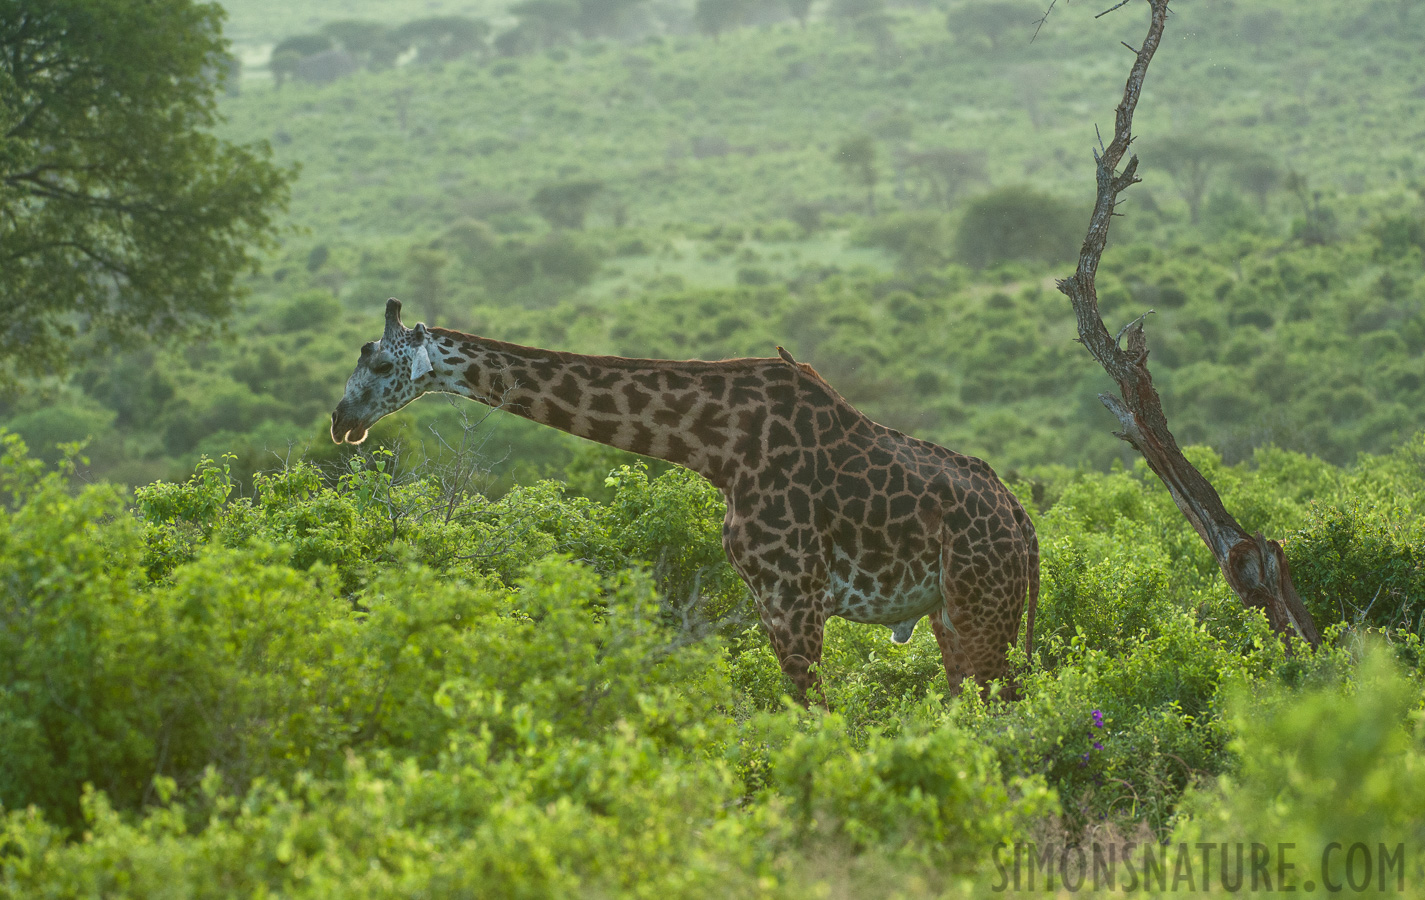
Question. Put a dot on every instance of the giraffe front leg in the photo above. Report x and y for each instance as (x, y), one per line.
(796, 633)
(787, 577)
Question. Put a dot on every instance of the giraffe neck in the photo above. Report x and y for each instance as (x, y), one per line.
(707, 416)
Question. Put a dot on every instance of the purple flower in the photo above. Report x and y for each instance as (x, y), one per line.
(1097, 745)
(1098, 718)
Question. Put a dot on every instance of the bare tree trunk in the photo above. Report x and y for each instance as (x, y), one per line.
(1255, 567)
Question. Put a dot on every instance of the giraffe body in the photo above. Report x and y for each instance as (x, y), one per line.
(828, 512)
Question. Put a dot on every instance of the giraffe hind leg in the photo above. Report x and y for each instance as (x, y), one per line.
(977, 623)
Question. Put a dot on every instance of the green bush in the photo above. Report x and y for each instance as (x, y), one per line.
(1339, 763)
(1018, 223)
(364, 684)
(1360, 565)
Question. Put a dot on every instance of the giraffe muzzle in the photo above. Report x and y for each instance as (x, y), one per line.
(346, 430)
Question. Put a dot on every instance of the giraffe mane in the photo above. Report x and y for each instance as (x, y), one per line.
(631, 362)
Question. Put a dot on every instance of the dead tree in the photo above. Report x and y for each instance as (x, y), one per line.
(1255, 567)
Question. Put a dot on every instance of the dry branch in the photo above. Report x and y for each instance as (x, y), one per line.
(1255, 567)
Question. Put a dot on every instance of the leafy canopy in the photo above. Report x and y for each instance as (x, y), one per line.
(121, 215)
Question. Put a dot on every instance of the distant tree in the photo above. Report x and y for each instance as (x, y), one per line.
(565, 205)
(806, 215)
(283, 66)
(1030, 82)
(288, 54)
(427, 285)
(948, 172)
(1317, 225)
(857, 157)
(356, 35)
(1192, 161)
(374, 44)
(800, 10)
(1260, 28)
(304, 44)
(471, 239)
(443, 38)
(713, 17)
(1017, 223)
(318, 257)
(1259, 175)
(325, 67)
(545, 23)
(121, 216)
(875, 29)
(604, 17)
(919, 239)
(992, 19)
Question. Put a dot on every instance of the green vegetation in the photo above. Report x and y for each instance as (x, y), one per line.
(384, 686)
(423, 667)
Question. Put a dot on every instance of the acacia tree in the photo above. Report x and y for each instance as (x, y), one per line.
(121, 215)
(1255, 567)
(1191, 161)
(857, 156)
(800, 10)
(991, 18)
(713, 17)
(565, 205)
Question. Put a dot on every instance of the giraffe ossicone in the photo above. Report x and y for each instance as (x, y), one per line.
(828, 513)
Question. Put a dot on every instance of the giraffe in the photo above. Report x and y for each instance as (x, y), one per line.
(828, 512)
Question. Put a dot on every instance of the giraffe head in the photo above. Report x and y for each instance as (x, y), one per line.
(390, 373)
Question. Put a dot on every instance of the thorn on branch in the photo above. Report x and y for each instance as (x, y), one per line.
(1118, 5)
(1129, 46)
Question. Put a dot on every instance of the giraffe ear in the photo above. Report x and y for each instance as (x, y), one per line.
(420, 364)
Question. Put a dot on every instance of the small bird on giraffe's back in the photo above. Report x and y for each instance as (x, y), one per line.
(828, 512)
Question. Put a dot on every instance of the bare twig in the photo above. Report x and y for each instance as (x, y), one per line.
(1039, 22)
(1255, 568)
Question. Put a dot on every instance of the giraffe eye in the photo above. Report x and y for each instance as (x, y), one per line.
(383, 367)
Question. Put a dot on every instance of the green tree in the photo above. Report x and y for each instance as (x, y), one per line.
(946, 171)
(443, 38)
(600, 17)
(992, 20)
(371, 42)
(121, 216)
(544, 23)
(1018, 222)
(304, 44)
(713, 17)
(857, 156)
(1192, 161)
(1259, 176)
(565, 205)
(800, 10)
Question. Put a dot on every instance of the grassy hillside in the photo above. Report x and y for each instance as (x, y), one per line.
(778, 99)
(722, 222)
